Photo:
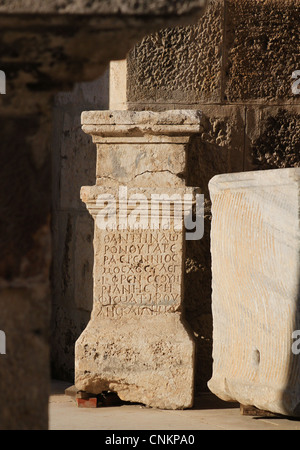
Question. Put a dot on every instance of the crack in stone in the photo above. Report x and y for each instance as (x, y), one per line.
(155, 171)
(107, 177)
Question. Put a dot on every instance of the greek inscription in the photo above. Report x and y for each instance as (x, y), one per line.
(139, 272)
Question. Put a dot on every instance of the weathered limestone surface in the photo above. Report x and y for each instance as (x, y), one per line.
(149, 148)
(136, 342)
(255, 268)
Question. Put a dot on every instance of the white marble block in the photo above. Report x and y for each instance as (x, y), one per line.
(255, 281)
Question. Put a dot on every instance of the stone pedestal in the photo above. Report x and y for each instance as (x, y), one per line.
(136, 343)
(255, 268)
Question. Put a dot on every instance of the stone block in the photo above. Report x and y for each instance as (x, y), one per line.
(260, 50)
(255, 280)
(87, 403)
(272, 137)
(145, 359)
(118, 85)
(173, 65)
(136, 343)
(141, 147)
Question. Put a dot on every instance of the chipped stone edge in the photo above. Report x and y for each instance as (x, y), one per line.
(253, 179)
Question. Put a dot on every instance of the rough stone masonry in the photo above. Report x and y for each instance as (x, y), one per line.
(136, 343)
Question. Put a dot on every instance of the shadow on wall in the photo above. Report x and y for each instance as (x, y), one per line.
(73, 166)
(216, 150)
(279, 147)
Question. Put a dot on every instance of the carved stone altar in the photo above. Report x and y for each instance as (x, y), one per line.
(136, 343)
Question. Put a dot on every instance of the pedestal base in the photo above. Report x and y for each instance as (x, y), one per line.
(148, 360)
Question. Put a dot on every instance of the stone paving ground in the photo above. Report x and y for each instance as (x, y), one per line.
(209, 413)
